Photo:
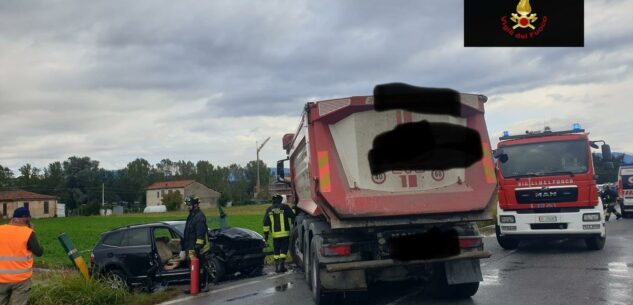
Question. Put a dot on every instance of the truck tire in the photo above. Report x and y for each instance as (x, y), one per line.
(306, 258)
(294, 245)
(507, 243)
(439, 287)
(319, 297)
(595, 242)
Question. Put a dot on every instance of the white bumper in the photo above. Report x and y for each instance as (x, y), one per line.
(551, 223)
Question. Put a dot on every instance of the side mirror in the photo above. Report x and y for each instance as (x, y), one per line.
(606, 152)
(593, 145)
(287, 140)
(280, 171)
(501, 155)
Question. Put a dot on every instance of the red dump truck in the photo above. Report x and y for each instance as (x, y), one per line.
(547, 187)
(348, 220)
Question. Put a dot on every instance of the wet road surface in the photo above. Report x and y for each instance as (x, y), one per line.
(543, 272)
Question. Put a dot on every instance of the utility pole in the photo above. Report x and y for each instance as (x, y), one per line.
(102, 194)
(259, 147)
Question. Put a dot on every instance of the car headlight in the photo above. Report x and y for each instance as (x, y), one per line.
(591, 217)
(506, 219)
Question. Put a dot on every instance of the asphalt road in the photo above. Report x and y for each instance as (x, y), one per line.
(540, 272)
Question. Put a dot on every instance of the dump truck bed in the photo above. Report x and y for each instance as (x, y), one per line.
(331, 174)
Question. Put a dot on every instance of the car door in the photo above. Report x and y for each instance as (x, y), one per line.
(181, 272)
(137, 252)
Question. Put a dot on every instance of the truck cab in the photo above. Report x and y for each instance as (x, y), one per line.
(625, 189)
(547, 188)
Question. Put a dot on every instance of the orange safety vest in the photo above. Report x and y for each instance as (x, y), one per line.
(16, 260)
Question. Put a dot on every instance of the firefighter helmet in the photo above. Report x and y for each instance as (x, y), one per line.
(191, 200)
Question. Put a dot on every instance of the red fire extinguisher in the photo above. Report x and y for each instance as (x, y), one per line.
(194, 286)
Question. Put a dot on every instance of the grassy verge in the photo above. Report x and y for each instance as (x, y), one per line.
(85, 231)
(69, 288)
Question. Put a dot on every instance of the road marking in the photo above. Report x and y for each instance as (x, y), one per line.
(404, 297)
(176, 301)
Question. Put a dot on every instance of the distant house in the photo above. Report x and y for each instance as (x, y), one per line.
(156, 191)
(40, 206)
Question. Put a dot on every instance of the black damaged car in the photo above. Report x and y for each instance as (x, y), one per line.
(147, 254)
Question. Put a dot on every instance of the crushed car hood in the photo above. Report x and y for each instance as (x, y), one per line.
(235, 233)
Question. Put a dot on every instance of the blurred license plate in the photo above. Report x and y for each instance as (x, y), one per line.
(548, 218)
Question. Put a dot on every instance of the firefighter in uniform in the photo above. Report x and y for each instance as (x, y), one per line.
(609, 197)
(196, 241)
(18, 244)
(277, 221)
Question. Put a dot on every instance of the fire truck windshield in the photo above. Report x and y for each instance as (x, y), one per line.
(545, 159)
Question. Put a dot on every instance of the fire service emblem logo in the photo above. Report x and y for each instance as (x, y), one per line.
(522, 24)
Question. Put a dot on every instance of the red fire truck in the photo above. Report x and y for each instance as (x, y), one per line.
(348, 219)
(547, 187)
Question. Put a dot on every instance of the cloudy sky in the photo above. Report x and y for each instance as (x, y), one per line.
(204, 80)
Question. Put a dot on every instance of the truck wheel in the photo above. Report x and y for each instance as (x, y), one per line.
(320, 298)
(507, 243)
(595, 242)
(439, 287)
(294, 245)
(215, 270)
(306, 262)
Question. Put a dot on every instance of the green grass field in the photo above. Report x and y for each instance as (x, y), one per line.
(85, 231)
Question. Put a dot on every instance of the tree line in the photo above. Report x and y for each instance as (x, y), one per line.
(79, 181)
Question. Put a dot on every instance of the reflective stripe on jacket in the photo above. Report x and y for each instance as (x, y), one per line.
(278, 220)
(16, 260)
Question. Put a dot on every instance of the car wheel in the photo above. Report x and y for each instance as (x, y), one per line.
(116, 278)
(507, 243)
(215, 269)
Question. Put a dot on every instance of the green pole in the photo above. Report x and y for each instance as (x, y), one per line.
(73, 255)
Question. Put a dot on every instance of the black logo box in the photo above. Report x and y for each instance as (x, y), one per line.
(483, 26)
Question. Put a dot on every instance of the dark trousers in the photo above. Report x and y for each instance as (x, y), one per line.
(280, 247)
(204, 276)
(611, 209)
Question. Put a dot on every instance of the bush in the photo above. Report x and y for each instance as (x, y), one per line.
(173, 201)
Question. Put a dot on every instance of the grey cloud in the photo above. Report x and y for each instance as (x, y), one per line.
(82, 65)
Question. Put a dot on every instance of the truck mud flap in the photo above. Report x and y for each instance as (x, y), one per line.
(463, 271)
(385, 263)
(343, 280)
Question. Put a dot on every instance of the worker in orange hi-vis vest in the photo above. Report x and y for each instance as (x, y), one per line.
(18, 244)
